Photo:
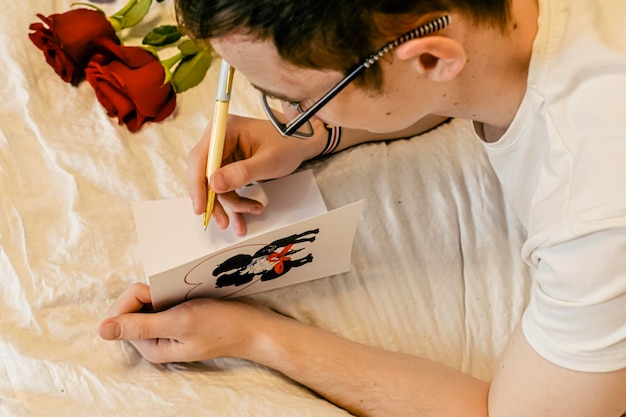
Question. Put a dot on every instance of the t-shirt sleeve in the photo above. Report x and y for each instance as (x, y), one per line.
(576, 317)
(577, 314)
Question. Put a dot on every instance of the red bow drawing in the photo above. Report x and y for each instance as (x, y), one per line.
(279, 258)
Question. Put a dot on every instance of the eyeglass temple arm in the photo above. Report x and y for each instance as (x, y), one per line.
(296, 123)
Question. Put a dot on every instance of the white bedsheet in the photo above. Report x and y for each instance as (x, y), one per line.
(435, 266)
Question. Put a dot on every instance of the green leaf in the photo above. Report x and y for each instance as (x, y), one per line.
(188, 47)
(162, 35)
(133, 12)
(191, 70)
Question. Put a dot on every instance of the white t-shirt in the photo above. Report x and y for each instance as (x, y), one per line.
(562, 165)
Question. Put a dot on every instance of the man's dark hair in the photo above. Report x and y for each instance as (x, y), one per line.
(326, 34)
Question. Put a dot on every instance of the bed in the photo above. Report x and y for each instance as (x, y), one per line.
(435, 268)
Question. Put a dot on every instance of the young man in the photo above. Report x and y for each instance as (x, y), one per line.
(544, 83)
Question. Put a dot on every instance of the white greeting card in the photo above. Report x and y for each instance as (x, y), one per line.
(295, 240)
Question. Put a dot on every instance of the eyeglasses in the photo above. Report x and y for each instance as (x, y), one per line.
(300, 125)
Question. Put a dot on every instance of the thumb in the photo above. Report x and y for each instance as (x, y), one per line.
(132, 326)
(233, 176)
(110, 330)
(264, 165)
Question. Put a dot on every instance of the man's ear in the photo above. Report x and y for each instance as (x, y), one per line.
(437, 57)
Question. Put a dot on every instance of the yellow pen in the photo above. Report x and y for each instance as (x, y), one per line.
(218, 133)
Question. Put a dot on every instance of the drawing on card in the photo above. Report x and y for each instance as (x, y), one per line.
(243, 268)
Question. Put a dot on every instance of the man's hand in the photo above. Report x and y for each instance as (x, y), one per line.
(253, 151)
(195, 330)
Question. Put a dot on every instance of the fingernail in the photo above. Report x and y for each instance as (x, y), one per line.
(219, 183)
(255, 209)
(110, 330)
(241, 230)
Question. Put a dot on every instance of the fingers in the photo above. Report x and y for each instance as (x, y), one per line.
(237, 206)
(197, 329)
(253, 151)
(135, 298)
(163, 351)
(137, 326)
(196, 175)
(148, 333)
(238, 174)
(230, 177)
(180, 333)
(229, 209)
(219, 215)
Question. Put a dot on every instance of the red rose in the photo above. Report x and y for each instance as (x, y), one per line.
(129, 83)
(66, 40)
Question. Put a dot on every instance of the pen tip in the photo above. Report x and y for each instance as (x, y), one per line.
(205, 220)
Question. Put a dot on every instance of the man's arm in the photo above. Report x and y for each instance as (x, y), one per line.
(373, 382)
(364, 380)
(525, 384)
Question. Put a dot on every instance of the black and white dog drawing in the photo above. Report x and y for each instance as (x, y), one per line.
(270, 262)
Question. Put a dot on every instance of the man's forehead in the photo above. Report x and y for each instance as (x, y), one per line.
(251, 56)
(260, 63)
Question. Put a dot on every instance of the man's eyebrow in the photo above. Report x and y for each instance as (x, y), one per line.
(275, 95)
